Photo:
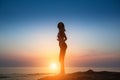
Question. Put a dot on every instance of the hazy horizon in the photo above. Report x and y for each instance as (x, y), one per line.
(28, 32)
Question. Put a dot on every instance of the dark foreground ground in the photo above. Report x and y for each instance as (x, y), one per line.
(88, 75)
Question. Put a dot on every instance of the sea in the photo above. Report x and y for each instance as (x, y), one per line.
(35, 73)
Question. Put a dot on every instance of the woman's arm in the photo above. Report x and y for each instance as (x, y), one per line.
(65, 38)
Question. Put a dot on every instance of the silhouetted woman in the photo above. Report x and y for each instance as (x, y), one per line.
(63, 46)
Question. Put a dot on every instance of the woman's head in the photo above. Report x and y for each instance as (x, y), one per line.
(61, 26)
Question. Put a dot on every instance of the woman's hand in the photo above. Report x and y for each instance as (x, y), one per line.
(58, 39)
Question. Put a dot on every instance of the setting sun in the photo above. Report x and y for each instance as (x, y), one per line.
(53, 66)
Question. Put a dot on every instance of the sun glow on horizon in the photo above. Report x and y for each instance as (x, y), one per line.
(54, 67)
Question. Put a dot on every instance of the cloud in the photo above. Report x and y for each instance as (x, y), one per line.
(85, 58)
(21, 60)
(95, 59)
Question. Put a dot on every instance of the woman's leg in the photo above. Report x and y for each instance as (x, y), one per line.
(63, 48)
(61, 57)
